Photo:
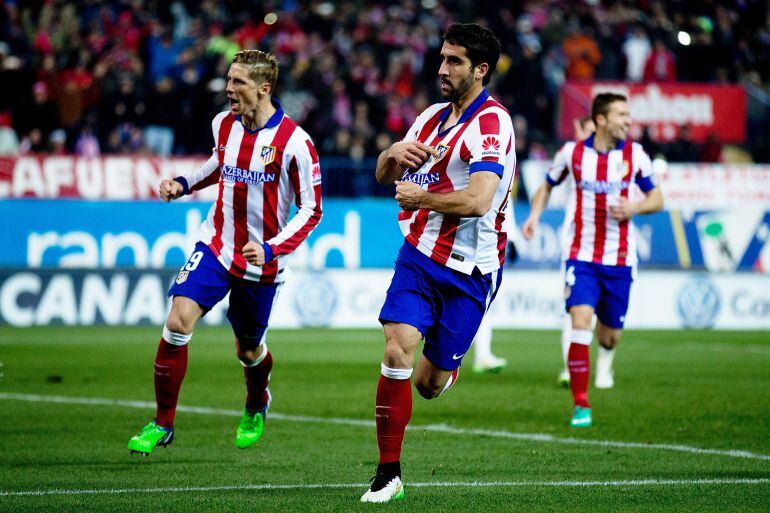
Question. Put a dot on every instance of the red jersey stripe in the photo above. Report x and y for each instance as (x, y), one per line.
(270, 191)
(600, 210)
(224, 134)
(502, 236)
(489, 124)
(240, 206)
(577, 171)
(628, 152)
(295, 240)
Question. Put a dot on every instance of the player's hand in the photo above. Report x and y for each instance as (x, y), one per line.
(622, 210)
(254, 253)
(411, 154)
(170, 190)
(408, 195)
(530, 225)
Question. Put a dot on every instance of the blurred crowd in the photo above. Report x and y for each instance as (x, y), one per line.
(131, 76)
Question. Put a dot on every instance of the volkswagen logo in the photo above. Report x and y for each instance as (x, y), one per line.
(698, 303)
(315, 301)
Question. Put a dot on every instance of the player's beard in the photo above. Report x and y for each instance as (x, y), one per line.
(455, 93)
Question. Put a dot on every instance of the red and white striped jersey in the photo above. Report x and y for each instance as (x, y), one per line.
(598, 180)
(482, 140)
(260, 174)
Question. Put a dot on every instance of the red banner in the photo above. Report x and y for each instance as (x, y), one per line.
(128, 177)
(664, 108)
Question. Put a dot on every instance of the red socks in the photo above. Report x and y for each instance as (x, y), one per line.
(257, 379)
(579, 372)
(170, 368)
(393, 411)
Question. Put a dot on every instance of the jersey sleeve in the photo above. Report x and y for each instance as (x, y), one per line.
(489, 144)
(208, 173)
(304, 173)
(559, 168)
(643, 175)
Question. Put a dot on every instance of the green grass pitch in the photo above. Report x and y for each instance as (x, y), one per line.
(687, 427)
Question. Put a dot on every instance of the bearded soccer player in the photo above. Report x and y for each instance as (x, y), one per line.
(599, 235)
(453, 172)
(262, 163)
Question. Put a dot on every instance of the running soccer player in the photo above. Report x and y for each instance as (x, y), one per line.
(599, 236)
(263, 162)
(453, 172)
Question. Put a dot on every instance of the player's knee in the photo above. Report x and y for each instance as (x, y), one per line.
(427, 391)
(176, 323)
(250, 355)
(174, 337)
(609, 340)
(395, 355)
(428, 388)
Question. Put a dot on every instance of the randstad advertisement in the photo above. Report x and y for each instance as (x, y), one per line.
(152, 235)
(354, 234)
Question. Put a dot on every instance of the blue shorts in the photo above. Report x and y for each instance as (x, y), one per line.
(605, 288)
(206, 281)
(445, 305)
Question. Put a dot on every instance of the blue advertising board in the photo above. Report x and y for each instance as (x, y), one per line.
(359, 233)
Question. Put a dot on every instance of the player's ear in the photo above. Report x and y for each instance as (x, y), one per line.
(481, 70)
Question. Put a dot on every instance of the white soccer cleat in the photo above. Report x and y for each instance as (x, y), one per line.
(384, 491)
(604, 380)
(492, 364)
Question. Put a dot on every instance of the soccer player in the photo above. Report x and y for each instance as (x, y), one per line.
(263, 162)
(453, 172)
(600, 241)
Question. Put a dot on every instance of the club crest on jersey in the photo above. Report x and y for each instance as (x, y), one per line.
(267, 154)
(182, 277)
(442, 150)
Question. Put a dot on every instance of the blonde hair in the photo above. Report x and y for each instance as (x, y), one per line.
(263, 66)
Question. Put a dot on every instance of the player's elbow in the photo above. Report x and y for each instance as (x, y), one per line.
(479, 207)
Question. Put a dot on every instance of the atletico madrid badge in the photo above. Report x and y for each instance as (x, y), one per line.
(182, 277)
(442, 150)
(267, 154)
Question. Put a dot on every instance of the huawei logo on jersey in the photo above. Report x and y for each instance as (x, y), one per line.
(490, 144)
(490, 147)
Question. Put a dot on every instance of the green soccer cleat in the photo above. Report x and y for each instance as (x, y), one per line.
(581, 417)
(250, 429)
(150, 437)
(491, 365)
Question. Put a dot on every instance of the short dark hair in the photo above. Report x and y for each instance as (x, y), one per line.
(481, 45)
(601, 104)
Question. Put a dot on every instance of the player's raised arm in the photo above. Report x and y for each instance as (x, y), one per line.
(539, 201)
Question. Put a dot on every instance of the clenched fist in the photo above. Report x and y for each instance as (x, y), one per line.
(170, 190)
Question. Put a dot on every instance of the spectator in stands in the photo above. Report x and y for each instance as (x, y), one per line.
(661, 64)
(9, 142)
(712, 150)
(582, 53)
(40, 113)
(683, 149)
(162, 110)
(637, 49)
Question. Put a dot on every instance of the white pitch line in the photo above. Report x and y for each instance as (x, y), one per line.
(436, 428)
(439, 484)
